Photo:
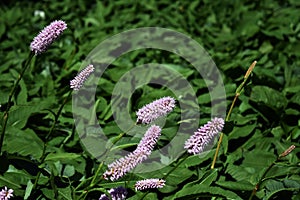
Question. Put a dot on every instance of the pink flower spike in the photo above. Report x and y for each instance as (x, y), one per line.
(79, 80)
(204, 136)
(47, 36)
(149, 183)
(120, 167)
(154, 110)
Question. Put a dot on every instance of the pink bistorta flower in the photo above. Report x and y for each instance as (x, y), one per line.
(47, 36)
(6, 194)
(154, 110)
(149, 183)
(79, 80)
(120, 167)
(204, 136)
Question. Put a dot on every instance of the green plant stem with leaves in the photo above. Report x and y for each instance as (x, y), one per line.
(94, 178)
(285, 153)
(9, 102)
(56, 117)
(237, 94)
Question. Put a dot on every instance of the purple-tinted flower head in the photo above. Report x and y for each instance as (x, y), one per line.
(150, 138)
(47, 36)
(6, 194)
(204, 136)
(149, 183)
(118, 193)
(120, 167)
(79, 80)
(154, 110)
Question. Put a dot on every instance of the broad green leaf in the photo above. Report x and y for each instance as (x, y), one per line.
(48, 193)
(243, 131)
(178, 176)
(200, 190)
(23, 142)
(62, 157)
(209, 177)
(65, 193)
(273, 187)
(269, 97)
(240, 185)
(14, 178)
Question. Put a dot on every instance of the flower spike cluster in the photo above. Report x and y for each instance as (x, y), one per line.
(47, 36)
(6, 194)
(120, 167)
(79, 80)
(154, 110)
(149, 183)
(203, 136)
(118, 193)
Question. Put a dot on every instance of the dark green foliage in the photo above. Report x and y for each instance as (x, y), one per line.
(264, 122)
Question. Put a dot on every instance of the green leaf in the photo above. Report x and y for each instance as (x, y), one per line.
(62, 157)
(200, 190)
(28, 189)
(65, 193)
(23, 142)
(209, 177)
(269, 97)
(22, 96)
(48, 193)
(240, 185)
(274, 187)
(241, 131)
(178, 176)
(69, 171)
(14, 178)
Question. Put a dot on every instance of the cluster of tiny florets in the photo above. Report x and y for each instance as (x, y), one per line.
(205, 135)
(47, 36)
(120, 167)
(149, 183)
(5, 194)
(79, 80)
(154, 110)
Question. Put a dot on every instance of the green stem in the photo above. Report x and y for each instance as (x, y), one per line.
(96, 174)
(43, 157)
(95, 180)
(9, 102)
(237, 94)
(261, 179)
(285, 153)
(57, 115)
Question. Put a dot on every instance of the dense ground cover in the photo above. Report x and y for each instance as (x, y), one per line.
(42, 155)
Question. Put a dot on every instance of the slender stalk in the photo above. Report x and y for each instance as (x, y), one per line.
(11, 94)
(217, 150)
(53, 126)
(237, 94)
(48, 135)
(58, 114)
(95, 180)
(96, 174)
(285, 153)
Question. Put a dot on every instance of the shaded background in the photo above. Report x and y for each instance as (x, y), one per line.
(264, 122)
